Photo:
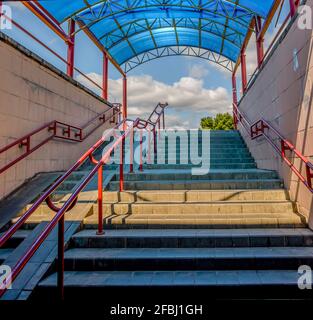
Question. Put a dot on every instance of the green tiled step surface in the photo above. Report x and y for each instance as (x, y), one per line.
(211, 175)
(212, 166)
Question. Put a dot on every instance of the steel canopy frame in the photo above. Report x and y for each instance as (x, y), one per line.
(125, 27)
(178, 51)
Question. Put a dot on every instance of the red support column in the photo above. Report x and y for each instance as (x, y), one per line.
(71, 48)
(293, 8)
(105, 76)
(235, 101)
(124, 110)
(259, 40)
(243, 71)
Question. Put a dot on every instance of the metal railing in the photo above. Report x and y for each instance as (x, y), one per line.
(53, 52)
(153, 123)
(127, 128)
(59, 130)
(262, 128)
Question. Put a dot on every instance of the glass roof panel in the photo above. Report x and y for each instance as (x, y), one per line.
(128, 28)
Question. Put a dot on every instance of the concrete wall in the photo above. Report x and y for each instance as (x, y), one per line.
(282, 93)
(32, 93)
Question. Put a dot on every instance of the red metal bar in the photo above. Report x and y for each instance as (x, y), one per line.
(105, 76)
(124, 112)
(46, 18)
(259, 40)
(131, 151)
(234, 86)
(52, 126)
(154, 141)
(149, 146)
(243, 71)
(255, 132)
(122, 164)
(60, 266)
(163, 116)
(60, 214)
(140, 143)
(71, 48)
(100, 201)
(293, 8)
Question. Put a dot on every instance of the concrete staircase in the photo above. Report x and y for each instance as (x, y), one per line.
(233, 232)
(232, 194)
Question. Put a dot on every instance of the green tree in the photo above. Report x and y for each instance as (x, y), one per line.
(222, 121)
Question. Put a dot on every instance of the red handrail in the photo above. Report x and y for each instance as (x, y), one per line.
(72, 200)
(159, 112)
(261, 128)
(60, 212)
(69, 133)
(57, 55)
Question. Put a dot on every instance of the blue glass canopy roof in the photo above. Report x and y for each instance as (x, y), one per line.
(136, 31)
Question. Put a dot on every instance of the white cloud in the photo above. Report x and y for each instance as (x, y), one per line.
(187, 95)
(198, 71)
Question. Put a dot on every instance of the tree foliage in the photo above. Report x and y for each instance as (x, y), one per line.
(222, 121)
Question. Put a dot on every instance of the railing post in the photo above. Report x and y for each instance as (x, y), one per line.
(154, 142)
(124, 110)
(234, 85)
(163, 118)
(259, 40)
(122, 165)
(71, 48)
(149, 146)
(140, 163)
(131, 150)
(159, 127)
(283, 148)
(100, 201)
(293, 8)
(243, 71)
(60, 263)
(105, 76)
(309, 176)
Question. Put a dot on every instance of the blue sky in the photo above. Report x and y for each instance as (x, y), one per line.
(193, 87)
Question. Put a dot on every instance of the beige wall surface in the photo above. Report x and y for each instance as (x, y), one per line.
(282, 94)
(33, 93)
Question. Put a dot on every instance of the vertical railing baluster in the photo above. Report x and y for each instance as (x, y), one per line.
(140, 164)
(60, 265)
(100, 200)
(122, 164)
(131, 150)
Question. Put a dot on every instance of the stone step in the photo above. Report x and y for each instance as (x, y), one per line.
(254, 280)
(189, 176)
(198, 146)
(239, 156)
(16, 239)
(126, 259)
(4, 253)
(195, 208)
(212, 149)
(200, 221)
(194, 196)
(199, 184)
(194, 238)
(212, 166)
